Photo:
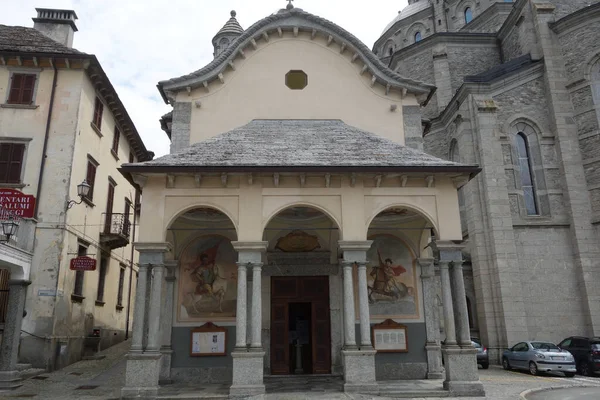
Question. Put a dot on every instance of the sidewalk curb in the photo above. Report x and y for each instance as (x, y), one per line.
(523, 395)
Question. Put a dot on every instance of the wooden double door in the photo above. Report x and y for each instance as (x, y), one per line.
(305, 298)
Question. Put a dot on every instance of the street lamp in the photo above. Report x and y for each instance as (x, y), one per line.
(83, 190)
(9, 228)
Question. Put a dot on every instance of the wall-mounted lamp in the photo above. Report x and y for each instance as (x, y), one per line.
(83, 190)
(9, 228)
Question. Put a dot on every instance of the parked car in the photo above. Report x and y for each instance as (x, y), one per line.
(482, 354)
(586, 352)
(539, 357)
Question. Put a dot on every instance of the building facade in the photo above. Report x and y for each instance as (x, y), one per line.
(292, 229)
(62, 123)
(517, 94)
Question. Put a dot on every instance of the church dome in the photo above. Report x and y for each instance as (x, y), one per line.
(412, 8)
(228, 33)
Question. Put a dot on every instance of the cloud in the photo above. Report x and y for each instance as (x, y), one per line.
(140, 42)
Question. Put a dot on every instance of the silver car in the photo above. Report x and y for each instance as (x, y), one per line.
(539, 357)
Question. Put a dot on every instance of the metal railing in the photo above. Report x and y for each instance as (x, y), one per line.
(117, 224)
(25, 233)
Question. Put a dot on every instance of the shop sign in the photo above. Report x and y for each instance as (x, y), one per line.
(17, 203)
(83, 263)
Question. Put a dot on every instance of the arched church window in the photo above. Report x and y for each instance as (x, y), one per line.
(527, 181)
(418, 37)
(468, 15)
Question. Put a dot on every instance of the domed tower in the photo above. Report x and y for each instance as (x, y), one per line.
(228, 33)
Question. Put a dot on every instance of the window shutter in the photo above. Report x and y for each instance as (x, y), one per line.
(90, 178)
(28, 85)
(16, 162)
(116, 138)
(5, 150)
(15, 89)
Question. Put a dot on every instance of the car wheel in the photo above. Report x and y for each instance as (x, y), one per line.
(533, 369)
(485, 366)
(505, 364)
(569, 374)
(585, 369)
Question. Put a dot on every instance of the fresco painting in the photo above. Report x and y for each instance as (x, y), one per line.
(207, 280)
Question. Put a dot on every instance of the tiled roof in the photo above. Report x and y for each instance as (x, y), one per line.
(500, 70)
(29, 40)
(409, 10)
(231, 27)
(297, 143)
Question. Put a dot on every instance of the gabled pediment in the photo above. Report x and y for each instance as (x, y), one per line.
(295, 21)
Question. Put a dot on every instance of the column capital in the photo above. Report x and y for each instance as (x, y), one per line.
(153, 247)
(427, 268)
(449, 250)
(170, 278)
(355, 245)
(250, 246)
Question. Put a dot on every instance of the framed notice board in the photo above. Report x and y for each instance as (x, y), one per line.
(389, 337)
(208, 340)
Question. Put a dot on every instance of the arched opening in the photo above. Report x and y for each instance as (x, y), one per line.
(468, 15)
(526, 174)
(418, 37)
(302, 263)
(207, 270)
(399, 236)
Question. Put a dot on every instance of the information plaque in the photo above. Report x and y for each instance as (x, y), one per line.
(389, 337)
(208, 340)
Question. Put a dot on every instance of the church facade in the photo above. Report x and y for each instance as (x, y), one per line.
(294, 225)
(518, 94)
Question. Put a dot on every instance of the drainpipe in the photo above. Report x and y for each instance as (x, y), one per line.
(46, 136)
(135, 207)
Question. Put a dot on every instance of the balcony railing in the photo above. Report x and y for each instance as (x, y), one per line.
(117, 228)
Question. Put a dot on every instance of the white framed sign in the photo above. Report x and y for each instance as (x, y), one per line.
(389, 337)
(208, 340)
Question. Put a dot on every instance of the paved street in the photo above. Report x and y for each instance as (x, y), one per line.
(102, 380)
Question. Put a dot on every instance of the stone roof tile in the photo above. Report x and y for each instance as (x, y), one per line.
(29, 40)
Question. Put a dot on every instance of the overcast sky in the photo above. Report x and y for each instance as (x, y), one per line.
(140, 42)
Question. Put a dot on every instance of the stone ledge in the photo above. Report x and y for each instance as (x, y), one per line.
(465, 388)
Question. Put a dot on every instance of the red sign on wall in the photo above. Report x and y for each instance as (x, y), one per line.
(83, 263)
(17, 203)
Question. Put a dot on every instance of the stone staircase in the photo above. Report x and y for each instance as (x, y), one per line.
(27, 371)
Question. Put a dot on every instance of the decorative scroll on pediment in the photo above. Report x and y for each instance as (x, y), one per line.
(298, 242)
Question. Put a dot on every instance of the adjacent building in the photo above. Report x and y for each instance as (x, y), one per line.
(518, 94)
(292, 229)
(63, 124)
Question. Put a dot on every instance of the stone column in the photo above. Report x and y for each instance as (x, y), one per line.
(349, 317)
(137, 334)
(248, 364)
(256, 338)
(359, 365)
(460, 299)
(240, 311)
(154, 331)
(449, 327)
(142, 372)
(10, 378)
(462, 378)
(432, 346)
(363, 302)
(167, 323)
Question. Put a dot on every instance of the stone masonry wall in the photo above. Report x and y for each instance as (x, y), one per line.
(550, 290)
(470, 60)
(566, 7)
(420, 67)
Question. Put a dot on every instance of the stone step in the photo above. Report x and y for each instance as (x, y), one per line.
(193, 396)
(409, 394)
(21, 367)
(31, 372)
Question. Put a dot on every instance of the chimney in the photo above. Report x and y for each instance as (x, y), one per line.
(58, 25)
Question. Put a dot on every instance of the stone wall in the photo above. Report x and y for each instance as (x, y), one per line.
(467, 60)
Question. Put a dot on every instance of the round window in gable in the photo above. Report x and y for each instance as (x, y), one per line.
(296, 80)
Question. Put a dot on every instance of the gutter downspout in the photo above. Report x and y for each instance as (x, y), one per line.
(45, 148)
(135, 207)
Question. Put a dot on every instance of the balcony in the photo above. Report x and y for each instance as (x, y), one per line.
(117, 228)
(23, 239)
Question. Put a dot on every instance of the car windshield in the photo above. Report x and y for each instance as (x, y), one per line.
(475, 344)
(544, 346)
(596, 345)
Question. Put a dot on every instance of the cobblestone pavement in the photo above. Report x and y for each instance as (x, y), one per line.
(102, 380)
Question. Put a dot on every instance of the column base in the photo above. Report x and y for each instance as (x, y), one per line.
(248, 368)
(165, 367)
(462, 378)
(434, 361)
(142, 374)
(359, 371)
(10, 380)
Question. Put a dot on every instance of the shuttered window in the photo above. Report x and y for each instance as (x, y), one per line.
(116, 137)
(98, 110)
(11, 162)
(91, 178)
(21, 89)
(121, 284)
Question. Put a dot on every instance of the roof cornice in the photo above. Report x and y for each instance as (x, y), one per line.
(295, 20)
(512, 19)
(482, 18)
(405, 21)
(575, 19)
